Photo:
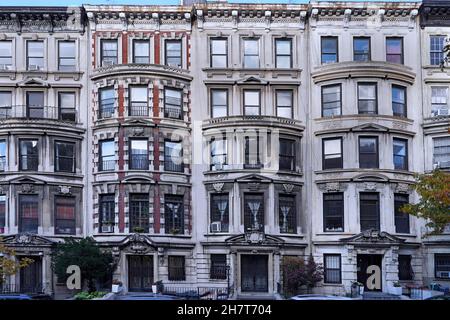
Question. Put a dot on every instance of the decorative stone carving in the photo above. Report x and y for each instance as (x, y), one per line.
(402, 188)
(253, 186)
(288, 188)
(64, 189)
(2, 190)
(27, 188)
(218, 187)
(370, 186)
(138, 132)
(254, 237)
(332, 186)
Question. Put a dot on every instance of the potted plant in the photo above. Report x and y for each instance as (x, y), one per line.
(157, 287)
(138, 229)
(396, 288)
(116, 286)
(360, 287)
(174, 231)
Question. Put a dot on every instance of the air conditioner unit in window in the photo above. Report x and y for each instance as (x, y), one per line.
(5, 66)
(443, 274)
(107, 229)
(107, 62)
(34, 67)
(440, 112)
(216, 226)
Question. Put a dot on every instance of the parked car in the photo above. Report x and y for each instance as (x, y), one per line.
(318, 297)
(440, 297)
(15, 297)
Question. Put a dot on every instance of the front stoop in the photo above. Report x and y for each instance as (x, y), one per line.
(380, 296)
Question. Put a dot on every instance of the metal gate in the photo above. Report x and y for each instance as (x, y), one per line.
(140, 273)
(254, 273)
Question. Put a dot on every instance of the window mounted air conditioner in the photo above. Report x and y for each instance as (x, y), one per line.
(34, 67)
(440, 112)
(4, 66)
(444, 274)
(107, 229)
(107, 62)
(216, 226)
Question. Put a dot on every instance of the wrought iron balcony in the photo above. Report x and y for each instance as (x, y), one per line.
(138, 109)
(174, 113)
(107, 165)
(139, 162)
(37, 112)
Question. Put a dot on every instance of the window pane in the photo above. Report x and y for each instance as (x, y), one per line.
(400, 154)
(251, 47)
(219, 46)
(283, 47)
(361, 49)
(141, 49)
(5, 101)
(29, 155)
(331, 100)
(332, 148)
(253, 212)
(436, 49)
(369, 211)
(367, 91)
(5, 54)
(67, 49)
(441, 153)
(65, 215)
(173, 214)
(65, 157)
(219, 212)
(173, 156)
(333, 212)
(287, 214)
(35, 49)
(219, 103)
(332, 270)
(251, 98)
(394, 50)
(173, 53)
(329, 49)
(2, 155)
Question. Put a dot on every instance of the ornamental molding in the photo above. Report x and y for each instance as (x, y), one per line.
(288, 188)
(27, 188)
(333, 186)
(218, 187)
(64, 190)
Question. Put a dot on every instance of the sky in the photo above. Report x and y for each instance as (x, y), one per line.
(137, 2)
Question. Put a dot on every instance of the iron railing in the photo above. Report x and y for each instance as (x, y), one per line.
(138, 109)
(174, 113)
(106, 111)
(107, 165)
(197, 293)
(2, 163)
(36, 112)
(173, 164)
(138, 162)
(17, 288)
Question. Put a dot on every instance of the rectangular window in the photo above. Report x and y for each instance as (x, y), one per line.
(35, 55)
(106, 101)
(361, 49)
(218, 269)
(283, 53)
(252, 152)
(219, 212)
(401, 218)
(2, 155)
(368, 152)
(5, 55)
(109, 53)
(219, 53)
(64, 157)
(394, 50)
(285, 102)
(367, 98)
(173, 106)
(138, 154)
(332, 268)
(219, 103)
(287, 155)
(399, 101)
(369, 209)
(400, 153)
(173, 214)
(441, 152)
(177, 268)
(253, 212)
(251, 53)
(173, 156)
(139, 212)
(252, 102)
(442, 265)
(2, 213)
(141, 51)
(67, 55)
(218, 153)
(138, 101)
(65, 215)
(436, 50)
(287, 214)
(5, 104)
(107, 155)
(332, 153)
(329, 49)
(28, 213)
(106, 213)
(405, 271)
(173, 53)
(28, 155)
(66, 105)
(331, 100)
(439, 101)
(333, 212)
(35, 105)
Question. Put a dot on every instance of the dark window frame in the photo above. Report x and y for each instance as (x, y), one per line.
(400, 217)
(248, 218)
(3, 206)
(3, 158)
(405, 158)
(145, 161)
(100, 155)
(20, 213)
(179, 270)
(402, 54)
(377, 153)
(290, 55)
(139, 212)
(341, 161)
(218, 269)
(55, 157)
(340, 98)
(437, 256)
(405, 275)
(73, 113)
(326, 268)
(291, 226)
(292, 157)
(142, 106)
(35, 57)
(181, 52)
(171, 226)
(8, 57)
(27, 156)
(213, 155)
(211, 93)
(405, 104)
(327, 215)
(369, 53)
(336, 39)
(137, 41)
(438, 52)
(258, 40)
(106, 199)
(102, 55)
(56, 219)
(215, 213)
(378, 217)
(104, 111)
(74, 58)
(173, 106)
(291, 92)
(251, 106)
(211, 54)
(175, 166)
(247, 154)
(38, 111)
(373, 84)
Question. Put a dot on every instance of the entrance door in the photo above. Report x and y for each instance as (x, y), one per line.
(140, 273)
(364, 261)
(31, 276)
(254, 273)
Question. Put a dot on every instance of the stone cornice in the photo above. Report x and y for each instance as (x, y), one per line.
(435, 13)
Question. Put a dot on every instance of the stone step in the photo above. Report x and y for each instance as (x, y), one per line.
(380, 296)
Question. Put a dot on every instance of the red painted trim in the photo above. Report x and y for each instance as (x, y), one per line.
(156, 208)
(157, 49)
(124, 48)
(121, 208)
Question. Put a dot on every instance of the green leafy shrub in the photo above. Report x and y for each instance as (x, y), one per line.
(84, 295)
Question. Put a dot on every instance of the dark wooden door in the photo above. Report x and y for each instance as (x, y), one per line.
(364, 261)
(254, 273)
(140, 273)
(31, 276)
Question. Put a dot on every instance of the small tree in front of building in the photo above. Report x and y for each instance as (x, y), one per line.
(9, 264)
(95, 264)
(434, 204)
(299, 275)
